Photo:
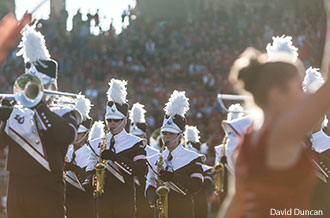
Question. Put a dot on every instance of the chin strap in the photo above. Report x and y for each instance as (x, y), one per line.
(118, 127)
(82, 138)
(167, 143)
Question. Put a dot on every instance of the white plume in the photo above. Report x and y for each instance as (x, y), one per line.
(177, 104)
(313, 80)
(325, 122)
(192, 134)
(282, 45)
(117, 91)
(97, 130)
(137, 113)
(235, 111)
(84, 106)
(33, 46)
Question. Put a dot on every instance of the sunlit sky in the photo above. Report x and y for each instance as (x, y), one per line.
(108, 9)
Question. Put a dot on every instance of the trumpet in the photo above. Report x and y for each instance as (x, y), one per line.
(28, 91)
(99, 177)
(162, 191)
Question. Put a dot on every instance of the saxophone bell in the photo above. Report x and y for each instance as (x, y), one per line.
(218, 178)
(99, 179)
(162, 201)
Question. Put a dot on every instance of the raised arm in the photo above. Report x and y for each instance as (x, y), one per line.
(284, 138)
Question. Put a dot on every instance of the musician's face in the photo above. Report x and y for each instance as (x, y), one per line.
(116, 125)
(80, 139)
(171, 139)
(49, 86)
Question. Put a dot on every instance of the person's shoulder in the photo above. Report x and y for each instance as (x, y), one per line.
(192, 156)
(150, 150)
(134, 139)
(153, 158)
(190, 153)
(94, 144)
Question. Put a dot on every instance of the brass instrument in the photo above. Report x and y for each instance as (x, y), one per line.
(99, 177)
(220, 171)
(221, 97)
(162, 191)
(28, 91)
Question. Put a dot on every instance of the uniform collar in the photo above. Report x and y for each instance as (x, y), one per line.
(176, 152)
(190, 147)
(82, 148)
(181, 157)
(320, 141)
(320, 135)
(123, 141)
(118, 136)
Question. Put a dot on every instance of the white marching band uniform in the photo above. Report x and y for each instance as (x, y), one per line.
(234, 131)
(123, 141)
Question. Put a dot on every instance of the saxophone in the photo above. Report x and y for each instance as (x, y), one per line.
(162, 191)
(219, 168)
(99, 177)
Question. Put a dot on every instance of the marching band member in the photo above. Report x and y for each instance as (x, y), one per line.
(138, 128)
(319, 143)
(38, 140)
(201, 207)
(234, 128)
(236, 111)
(125, 157)
(234, 131)
(182, 169)
(79, 202)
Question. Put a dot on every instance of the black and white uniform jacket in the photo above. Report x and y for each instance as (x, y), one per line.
(186, 181)
(38, 139)
(143, 209)
(201, 198)
(79, 159)
(151, 151)
(130, 163)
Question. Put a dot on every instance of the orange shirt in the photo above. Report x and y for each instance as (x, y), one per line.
(268, 192)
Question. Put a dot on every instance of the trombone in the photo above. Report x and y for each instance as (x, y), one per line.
(221, 97)
(28, 91)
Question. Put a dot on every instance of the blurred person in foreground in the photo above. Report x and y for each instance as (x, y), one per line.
(274, 170)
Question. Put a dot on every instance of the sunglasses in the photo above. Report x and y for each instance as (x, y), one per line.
(114, 120)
